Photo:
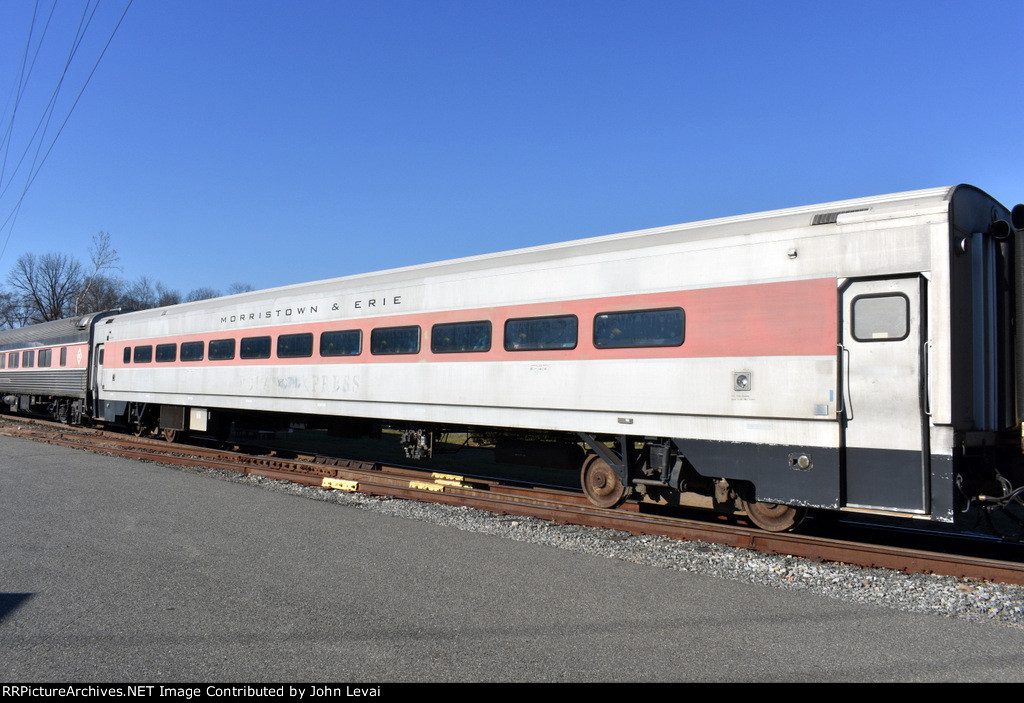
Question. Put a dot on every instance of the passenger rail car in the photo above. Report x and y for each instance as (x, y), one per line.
(860, 355)
(45, 368)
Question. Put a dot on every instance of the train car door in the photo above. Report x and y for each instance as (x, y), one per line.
(97, 378)
(885, 429)
(97, 371)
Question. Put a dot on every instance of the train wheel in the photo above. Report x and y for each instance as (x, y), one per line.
(774, 517)
(138, 429)
(601, 484)
(169, 434)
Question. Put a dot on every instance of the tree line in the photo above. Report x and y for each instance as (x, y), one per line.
(54, 286)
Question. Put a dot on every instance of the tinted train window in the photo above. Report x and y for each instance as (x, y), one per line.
(63, 356)
(341, 343)
(143, 354)
(3, 360)
(191, 351)
(395, 340)
(881, 318)
(45, 357)
(461, 337)
(221, 349)
(528, 334)
(254, 348)
(166, 352)
(28, 359)
(12, 360)
(127, 355)
(293, 345)
(640, 328)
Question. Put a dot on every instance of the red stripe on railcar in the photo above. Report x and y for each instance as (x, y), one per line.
(77, 357)
(790, 318)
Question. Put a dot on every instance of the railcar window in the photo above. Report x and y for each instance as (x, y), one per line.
(127, 355)
(12, 360)
(460, 337)
(143, 354)
(881, 318)
(222, 349)
(191, 351)
(3, 360)
(295, 345)
(166, 352)
(63, 356)
(640, 328)
(532, 333)
(28, 359)
(254, 348)
(395, 340)
(45, 357)
(341, 343)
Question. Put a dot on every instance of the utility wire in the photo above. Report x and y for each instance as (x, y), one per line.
(44, 119)
(23, 78)
(38, 162)
(19, 89)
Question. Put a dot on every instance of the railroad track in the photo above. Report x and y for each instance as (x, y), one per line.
(545, 503)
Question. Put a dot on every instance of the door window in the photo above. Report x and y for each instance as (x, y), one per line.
(881, 318)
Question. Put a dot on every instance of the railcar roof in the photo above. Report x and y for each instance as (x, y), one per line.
(870, 208)
(67, 331)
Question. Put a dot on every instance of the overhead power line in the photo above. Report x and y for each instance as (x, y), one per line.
(43, 124)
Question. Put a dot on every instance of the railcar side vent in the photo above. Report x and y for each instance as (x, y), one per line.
(830, 218)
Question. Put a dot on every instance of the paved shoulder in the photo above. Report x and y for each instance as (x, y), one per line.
(117, 570)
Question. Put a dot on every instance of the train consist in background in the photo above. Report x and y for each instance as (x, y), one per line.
(857, 356)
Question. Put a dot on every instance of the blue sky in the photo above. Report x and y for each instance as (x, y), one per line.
(275, 142)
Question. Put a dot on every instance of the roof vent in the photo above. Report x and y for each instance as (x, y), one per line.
(830, 218)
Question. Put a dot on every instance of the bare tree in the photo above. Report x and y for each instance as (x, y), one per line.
(55, 286)
(12, 312)
(103, 257)
(203, 293)
(140, 295)
(166, 296)
(105, 293)
(46, 285)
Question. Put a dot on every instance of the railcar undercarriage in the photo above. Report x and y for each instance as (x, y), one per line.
(63, 410)
(616, 468)
(612, 469)
(994, 496)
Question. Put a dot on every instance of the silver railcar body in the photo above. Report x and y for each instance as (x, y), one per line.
(854, 355)
(47, 366)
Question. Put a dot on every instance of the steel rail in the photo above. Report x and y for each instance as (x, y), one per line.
(543, 503)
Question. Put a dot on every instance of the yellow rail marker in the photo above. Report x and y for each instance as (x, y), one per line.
(423, 486)
(456, 483)
(340, 484)
(448, 477)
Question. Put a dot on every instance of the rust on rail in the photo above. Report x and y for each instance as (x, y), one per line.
(560, 506)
